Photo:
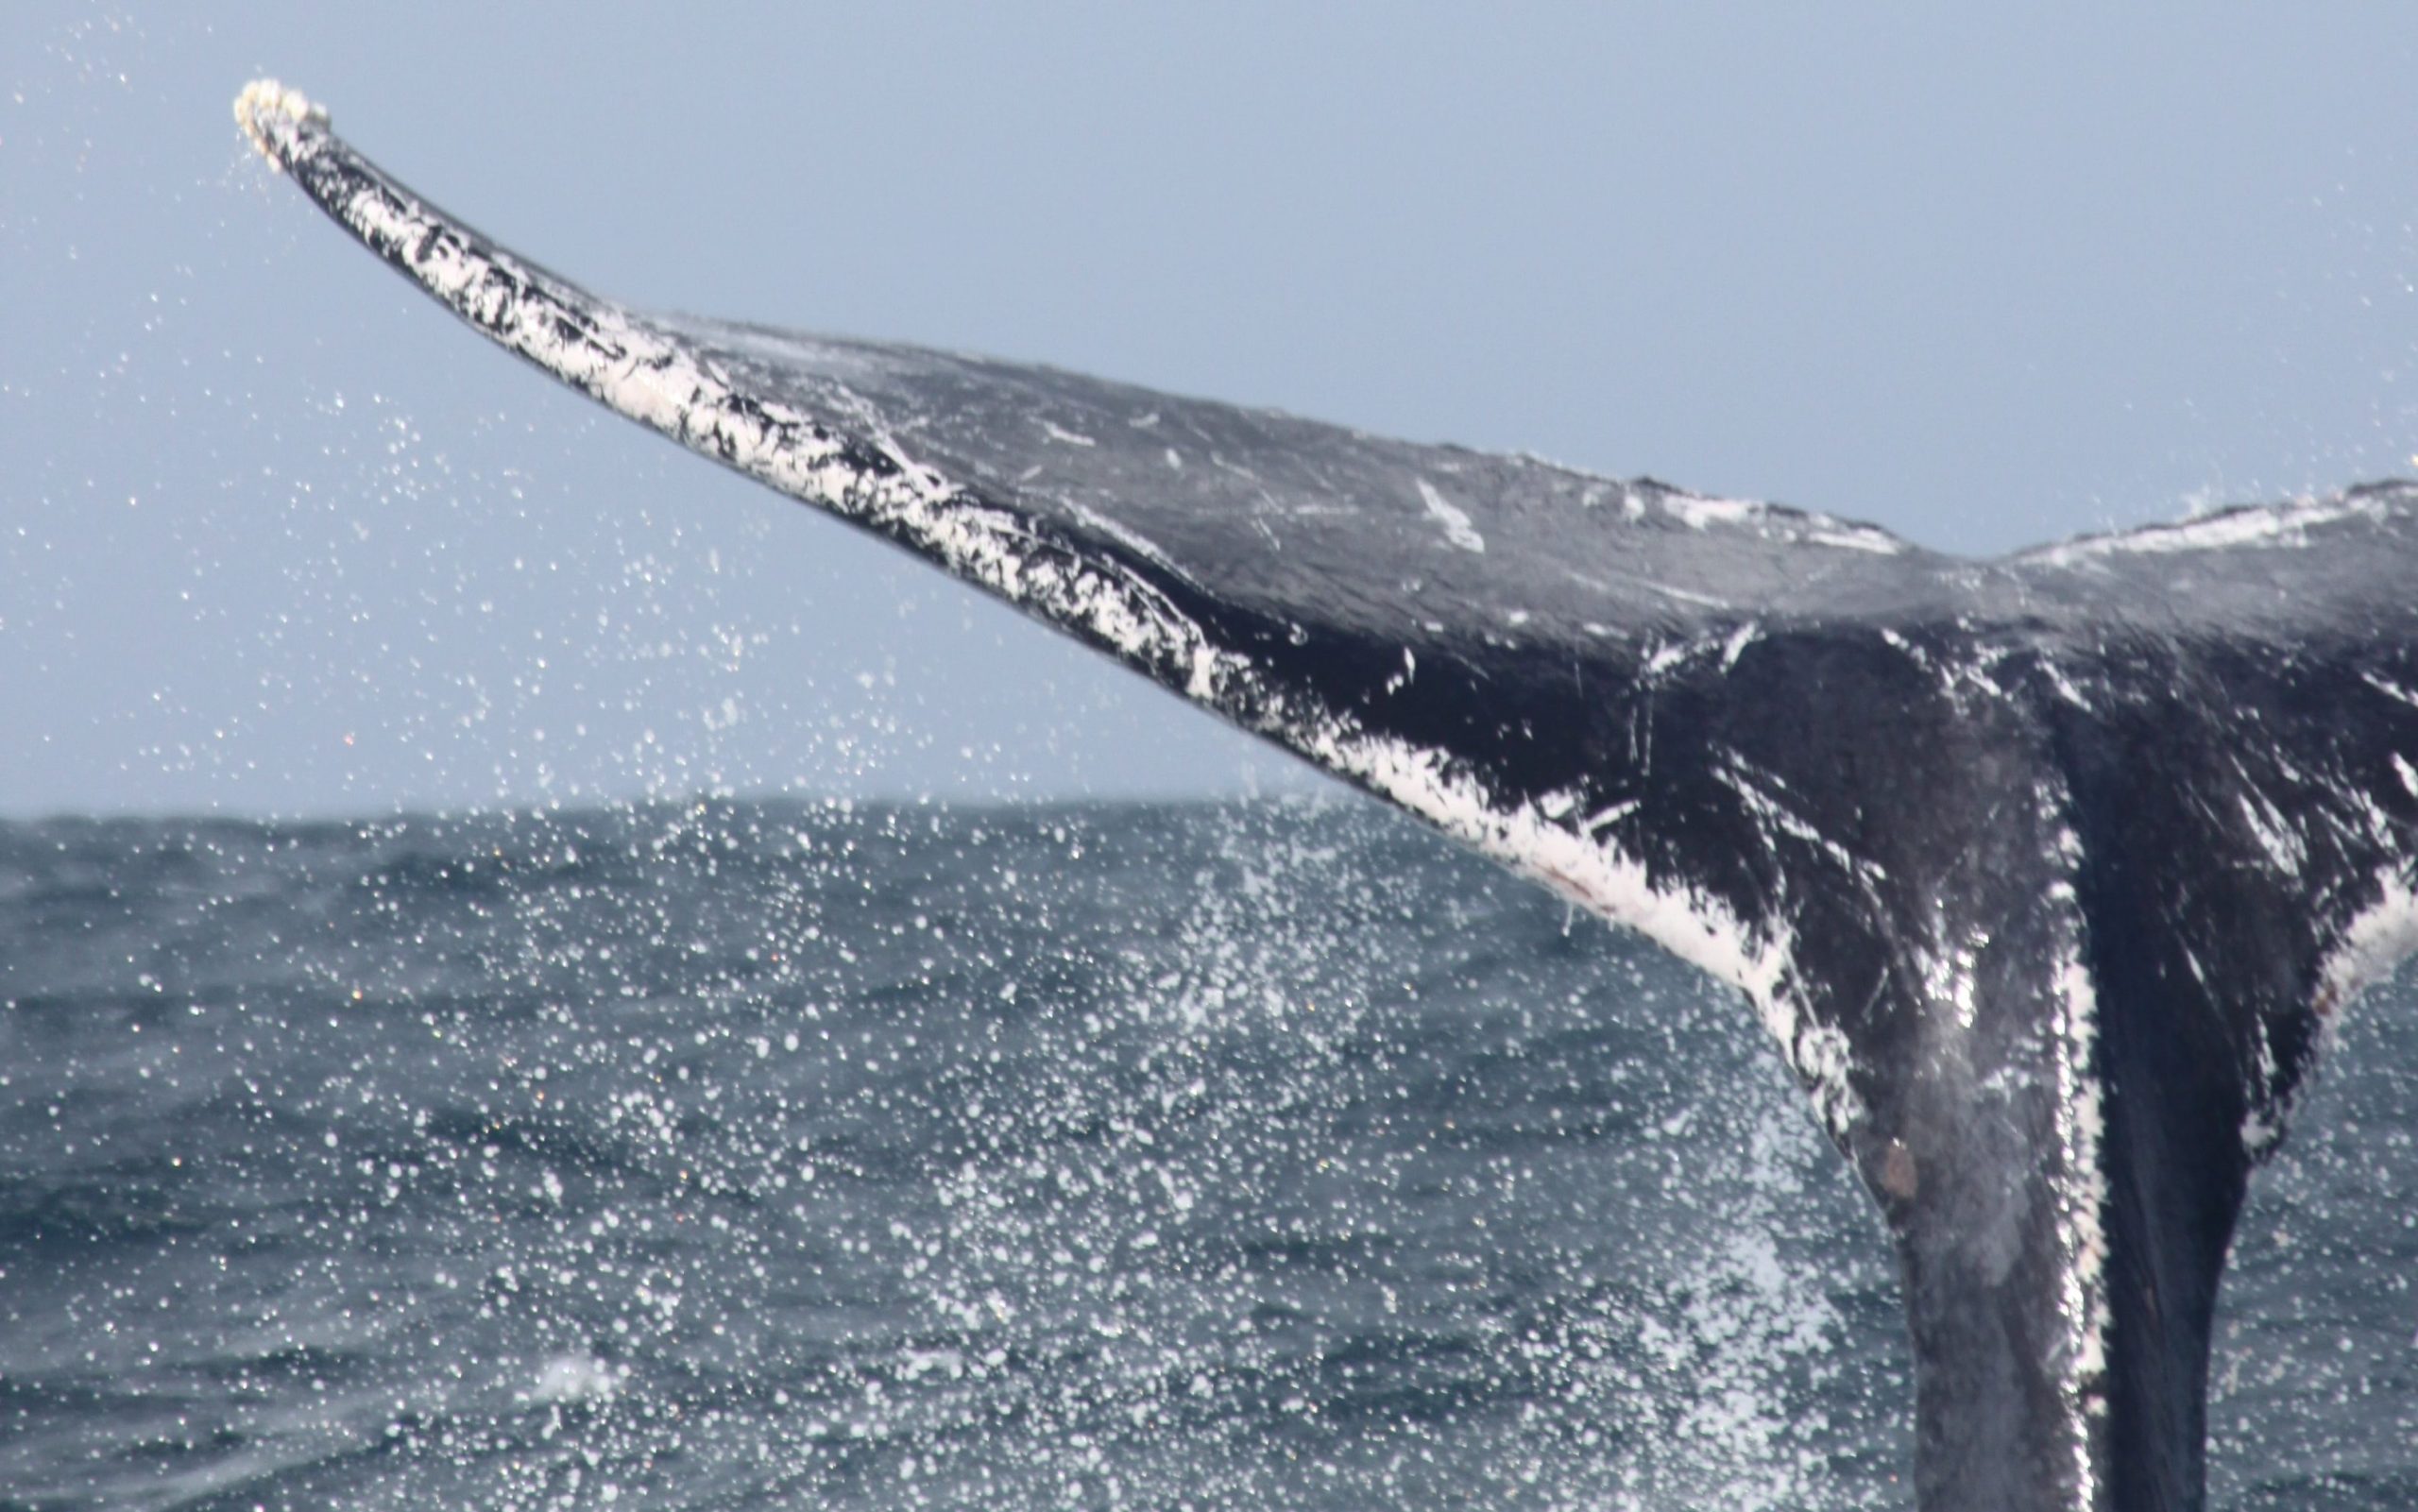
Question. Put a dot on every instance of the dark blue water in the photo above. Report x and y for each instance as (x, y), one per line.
(740, 1156)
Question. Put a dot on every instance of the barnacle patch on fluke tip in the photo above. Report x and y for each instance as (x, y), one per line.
(269, 112)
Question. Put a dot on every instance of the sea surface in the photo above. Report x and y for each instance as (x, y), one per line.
(734, 1155)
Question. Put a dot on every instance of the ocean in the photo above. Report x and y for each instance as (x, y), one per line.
(747, 1155)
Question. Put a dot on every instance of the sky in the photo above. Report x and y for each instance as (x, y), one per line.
(278, 536)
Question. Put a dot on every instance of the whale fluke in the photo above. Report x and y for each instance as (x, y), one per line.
(2046, 871)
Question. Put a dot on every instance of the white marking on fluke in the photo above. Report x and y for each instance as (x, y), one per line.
(2285, 526)
(2374, 943)
(1458, 528)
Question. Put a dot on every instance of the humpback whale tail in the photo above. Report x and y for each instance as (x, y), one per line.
(2045, 871)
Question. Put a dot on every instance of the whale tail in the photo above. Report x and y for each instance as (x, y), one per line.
(2045, 871)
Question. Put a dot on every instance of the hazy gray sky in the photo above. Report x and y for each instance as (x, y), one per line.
(277, 536)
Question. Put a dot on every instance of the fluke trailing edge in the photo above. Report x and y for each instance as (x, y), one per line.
(2046, 871)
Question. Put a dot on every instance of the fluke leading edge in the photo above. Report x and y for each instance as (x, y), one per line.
(2046, 871)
